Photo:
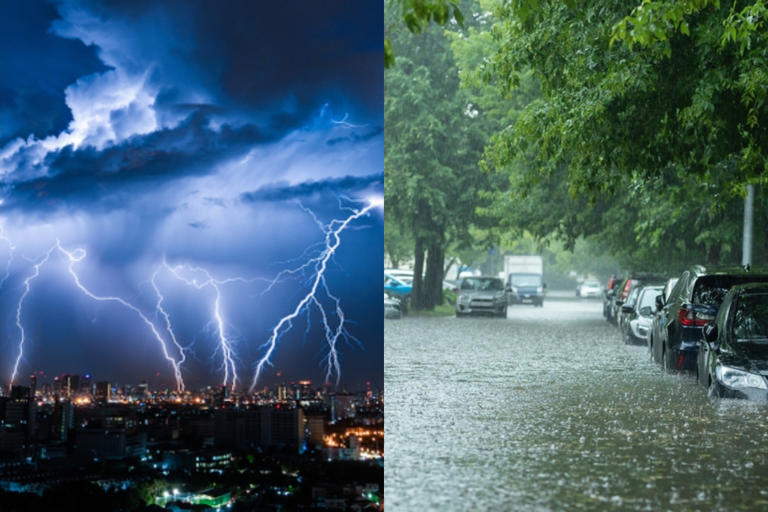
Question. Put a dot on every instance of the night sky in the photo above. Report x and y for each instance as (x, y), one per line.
(216, 135)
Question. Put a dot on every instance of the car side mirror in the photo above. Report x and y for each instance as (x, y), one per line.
(710, 332)
(659, 303)
(544, 285)
(626, 309)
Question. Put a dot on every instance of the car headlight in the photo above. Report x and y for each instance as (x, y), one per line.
(540, 289)
(463, 298)
(735, 378)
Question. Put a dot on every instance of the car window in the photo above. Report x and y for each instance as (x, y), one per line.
(482, 283)
(750, 318)
(649, 297)
(711, 290)
(633, 297)
(679, 286)
(525, 280)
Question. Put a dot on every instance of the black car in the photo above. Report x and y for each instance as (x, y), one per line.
(733, 360)
(692, 303)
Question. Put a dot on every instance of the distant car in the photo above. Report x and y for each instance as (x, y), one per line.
(522, 288)
(481, 295)
(589, 289)
(733, 360)
(397, 286)
(692, 303)
(638, 316)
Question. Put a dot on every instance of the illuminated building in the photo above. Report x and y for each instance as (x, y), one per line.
(103, 392)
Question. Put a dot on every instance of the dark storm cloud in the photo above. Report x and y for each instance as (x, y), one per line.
(84, 175)
(336, 186)
(258, 56)
(33, 79)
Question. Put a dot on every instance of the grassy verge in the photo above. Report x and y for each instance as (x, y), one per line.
(443, 310)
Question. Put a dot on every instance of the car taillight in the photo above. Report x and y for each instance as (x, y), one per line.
(690, 317)
(626, 289)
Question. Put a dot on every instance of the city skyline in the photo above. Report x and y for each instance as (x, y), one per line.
(175, 186)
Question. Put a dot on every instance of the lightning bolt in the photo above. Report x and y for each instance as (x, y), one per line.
(19, 324)
(74, 257)
(208, 281)
(319, 265)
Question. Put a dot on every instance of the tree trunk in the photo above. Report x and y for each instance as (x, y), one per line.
(417, 293)
(433, 286)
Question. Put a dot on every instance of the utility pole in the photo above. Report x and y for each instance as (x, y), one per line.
(749, 211)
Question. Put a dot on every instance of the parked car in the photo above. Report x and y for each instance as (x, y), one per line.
(733, 359)
(626, 308)
(610, 292)
(638, 315)
(481, 295)
(589, 289)
(634, 280)
(403, 275)
(692, 303)
(397, 286)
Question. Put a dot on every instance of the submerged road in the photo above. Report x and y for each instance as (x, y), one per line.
(549, 410)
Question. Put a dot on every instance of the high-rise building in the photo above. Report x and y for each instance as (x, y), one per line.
(103, 392)
(86, 384)
(32, 386)
(63, 420)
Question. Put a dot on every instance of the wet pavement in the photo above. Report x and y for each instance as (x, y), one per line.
(549, 410)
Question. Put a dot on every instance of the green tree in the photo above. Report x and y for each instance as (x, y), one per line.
(433, 143)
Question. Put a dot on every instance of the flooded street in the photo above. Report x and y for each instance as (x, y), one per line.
(548, 409)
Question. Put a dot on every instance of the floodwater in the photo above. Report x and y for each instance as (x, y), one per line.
(549, 410)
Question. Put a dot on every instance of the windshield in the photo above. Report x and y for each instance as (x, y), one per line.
(525, 280)
(649, 297)
(750, 318)
(482, 283)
